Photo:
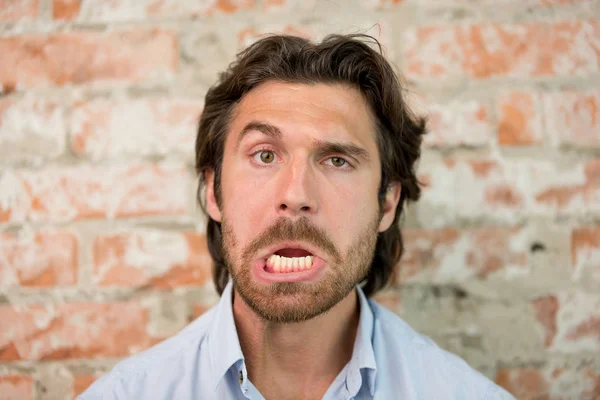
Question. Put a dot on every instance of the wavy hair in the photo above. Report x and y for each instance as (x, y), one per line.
(338, 59)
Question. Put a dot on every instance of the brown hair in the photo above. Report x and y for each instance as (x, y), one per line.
(345, 59)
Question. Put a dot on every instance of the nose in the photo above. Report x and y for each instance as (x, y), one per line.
(297, 190)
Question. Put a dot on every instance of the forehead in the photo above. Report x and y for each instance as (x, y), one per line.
(320, 110)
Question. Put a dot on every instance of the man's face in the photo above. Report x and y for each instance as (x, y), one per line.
(300, 176)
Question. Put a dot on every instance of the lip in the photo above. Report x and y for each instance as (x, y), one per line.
(300, 276)
(290, 245)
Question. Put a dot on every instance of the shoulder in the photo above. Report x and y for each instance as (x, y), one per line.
(418, 361)
(165, 360)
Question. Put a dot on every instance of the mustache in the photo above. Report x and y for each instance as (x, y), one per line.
(300, 230)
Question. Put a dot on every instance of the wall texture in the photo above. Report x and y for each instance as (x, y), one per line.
(102, 251)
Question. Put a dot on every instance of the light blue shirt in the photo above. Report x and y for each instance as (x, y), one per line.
(204, 361)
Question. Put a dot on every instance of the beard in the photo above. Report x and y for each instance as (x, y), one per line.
(288, 302)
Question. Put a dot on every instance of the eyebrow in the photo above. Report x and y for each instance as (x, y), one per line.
(323, 147)
(267, 129)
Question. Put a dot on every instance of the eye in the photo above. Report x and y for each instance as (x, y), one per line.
(266, 156)
(338, 161)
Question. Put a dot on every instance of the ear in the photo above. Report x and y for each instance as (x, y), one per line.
(390, 203)
(211, 202)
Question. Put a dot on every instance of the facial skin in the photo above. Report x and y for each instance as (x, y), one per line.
(277, 189)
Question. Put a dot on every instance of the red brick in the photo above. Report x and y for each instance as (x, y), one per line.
(379, 4)
(581, 196)
(84, 57)
(125, 10)
(31, 127)
(457, 123)
(546, 3)
(82, 330)
(42, 259)
(81, 383)
(59, 194)
(65, 9)
(230, 6)
(16, 387)
(573, 118)
(524, 50)
(570, 321)
(13, 10)
(523, 383)
(480, 168)
(277, 5)
(472, 190)
(585, 251)
(250, 35)
(550, 383)
(545, 309)
(198, 310)
(314, 29)
(424, 250)
(448, 255)
(108, 128)
(520, 122)
(156, 258)
(270, 4)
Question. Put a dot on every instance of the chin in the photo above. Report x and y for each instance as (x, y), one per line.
(291, 302)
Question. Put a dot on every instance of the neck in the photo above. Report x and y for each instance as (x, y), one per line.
(297, 360)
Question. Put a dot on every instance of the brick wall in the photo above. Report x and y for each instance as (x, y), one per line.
(102, 250)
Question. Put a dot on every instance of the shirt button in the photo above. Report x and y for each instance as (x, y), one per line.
(241, 377)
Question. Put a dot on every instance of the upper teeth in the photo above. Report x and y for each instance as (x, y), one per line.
(289, 264)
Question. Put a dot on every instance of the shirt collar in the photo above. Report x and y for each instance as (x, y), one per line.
(224, 344)
(363, 355)
(223, 341)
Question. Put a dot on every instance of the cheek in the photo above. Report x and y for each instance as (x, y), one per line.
(348, 210)
(244, 206)
(352, 192)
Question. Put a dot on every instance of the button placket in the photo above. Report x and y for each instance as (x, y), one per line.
(243, 379)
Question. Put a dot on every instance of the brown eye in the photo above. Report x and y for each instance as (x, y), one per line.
(338, 161)
(266, 156)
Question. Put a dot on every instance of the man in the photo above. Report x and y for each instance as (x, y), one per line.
(307, 153)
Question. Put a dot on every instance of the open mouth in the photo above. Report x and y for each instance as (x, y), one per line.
(289, 260)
